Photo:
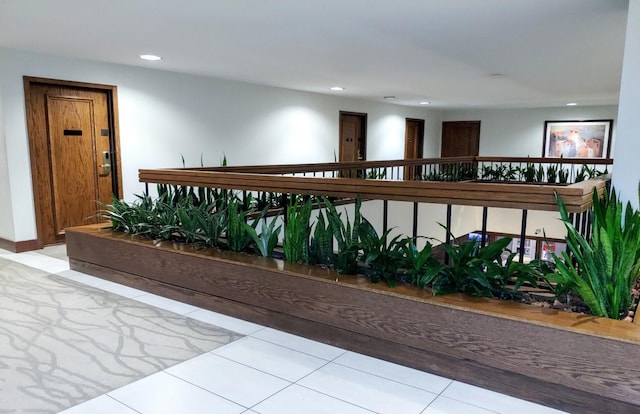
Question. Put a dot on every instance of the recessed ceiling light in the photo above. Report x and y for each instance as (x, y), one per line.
(425, 103)
(389, 97)
(337, 88)
(572, 104)
(150, 57)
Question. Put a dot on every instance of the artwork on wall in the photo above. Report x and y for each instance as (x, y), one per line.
(577, 139)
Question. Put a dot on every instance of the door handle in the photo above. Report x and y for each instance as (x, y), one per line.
(105, 167)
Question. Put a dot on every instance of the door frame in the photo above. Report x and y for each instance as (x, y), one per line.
(39, 172)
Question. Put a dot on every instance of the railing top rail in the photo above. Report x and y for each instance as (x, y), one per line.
(362, 165)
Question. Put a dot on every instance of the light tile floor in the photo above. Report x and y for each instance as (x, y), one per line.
(273, 372)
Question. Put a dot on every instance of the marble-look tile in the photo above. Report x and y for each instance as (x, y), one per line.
(100, 405)
(270, 358)
(227, 322)
(494, 401)
(162, 393)
(298, 343)
(368, 391)
(231, 380)
(296, 399)
(167, 304)
(41, 262)
(444, 405)
(408, 376)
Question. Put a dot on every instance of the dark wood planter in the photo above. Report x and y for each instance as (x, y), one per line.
(577, 363)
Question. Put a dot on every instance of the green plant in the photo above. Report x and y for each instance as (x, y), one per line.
(377, 174)
(467, 273)
(421, 266)
(237, 236)
(563, 175)
(346, 236)
(528, 172)
(297, 231)
(540, 174)
(510, 271)
(552, 173)
(382, 258)
(321, 248)
(267, 240)
(602, 270)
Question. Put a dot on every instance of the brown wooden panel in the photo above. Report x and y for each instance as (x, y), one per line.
(460, 138)
(71, 138)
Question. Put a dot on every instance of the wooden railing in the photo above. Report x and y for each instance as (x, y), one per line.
(350, 179)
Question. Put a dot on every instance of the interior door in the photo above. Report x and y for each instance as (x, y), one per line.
(460, 139)
(413, 144)
(353, 147)
(73, 156)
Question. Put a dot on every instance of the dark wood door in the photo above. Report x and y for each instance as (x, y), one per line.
(72, 156)
(353, 138)
(413, 144)
(460, 139)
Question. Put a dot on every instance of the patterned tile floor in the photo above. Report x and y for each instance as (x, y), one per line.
(271, 372)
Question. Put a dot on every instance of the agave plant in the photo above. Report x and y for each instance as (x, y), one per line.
(602, 269)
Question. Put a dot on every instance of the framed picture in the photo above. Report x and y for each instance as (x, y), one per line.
(577, 139)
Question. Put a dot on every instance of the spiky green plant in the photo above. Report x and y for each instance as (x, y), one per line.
(267, 240)
(321, 248)
(297, 231)
(603, 269)
(346, 236)
(552, 173)
(237, 237)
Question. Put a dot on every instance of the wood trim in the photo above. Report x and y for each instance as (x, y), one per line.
(20, 246)
(573, 362)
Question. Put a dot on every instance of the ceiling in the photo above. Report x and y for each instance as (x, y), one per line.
(452, 53)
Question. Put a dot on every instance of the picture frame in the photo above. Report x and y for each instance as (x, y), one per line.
(577, 139)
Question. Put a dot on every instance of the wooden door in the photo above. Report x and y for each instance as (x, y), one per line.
(353, 131)
(460, 139)
(413, 144)
(74, 155)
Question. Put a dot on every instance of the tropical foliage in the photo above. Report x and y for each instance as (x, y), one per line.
(600, 269)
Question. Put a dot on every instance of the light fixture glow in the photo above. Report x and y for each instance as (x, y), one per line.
(425, 103)
(151, 57)
(572, 104)
(389, 97)
(337, 88)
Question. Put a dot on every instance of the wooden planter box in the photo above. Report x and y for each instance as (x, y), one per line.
(577, 363)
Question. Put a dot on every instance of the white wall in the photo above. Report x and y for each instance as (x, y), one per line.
(6, 218)
(163, 115)
(519, 132)
(627, 174)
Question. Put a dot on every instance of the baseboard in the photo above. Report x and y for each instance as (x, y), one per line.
(19, 246)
